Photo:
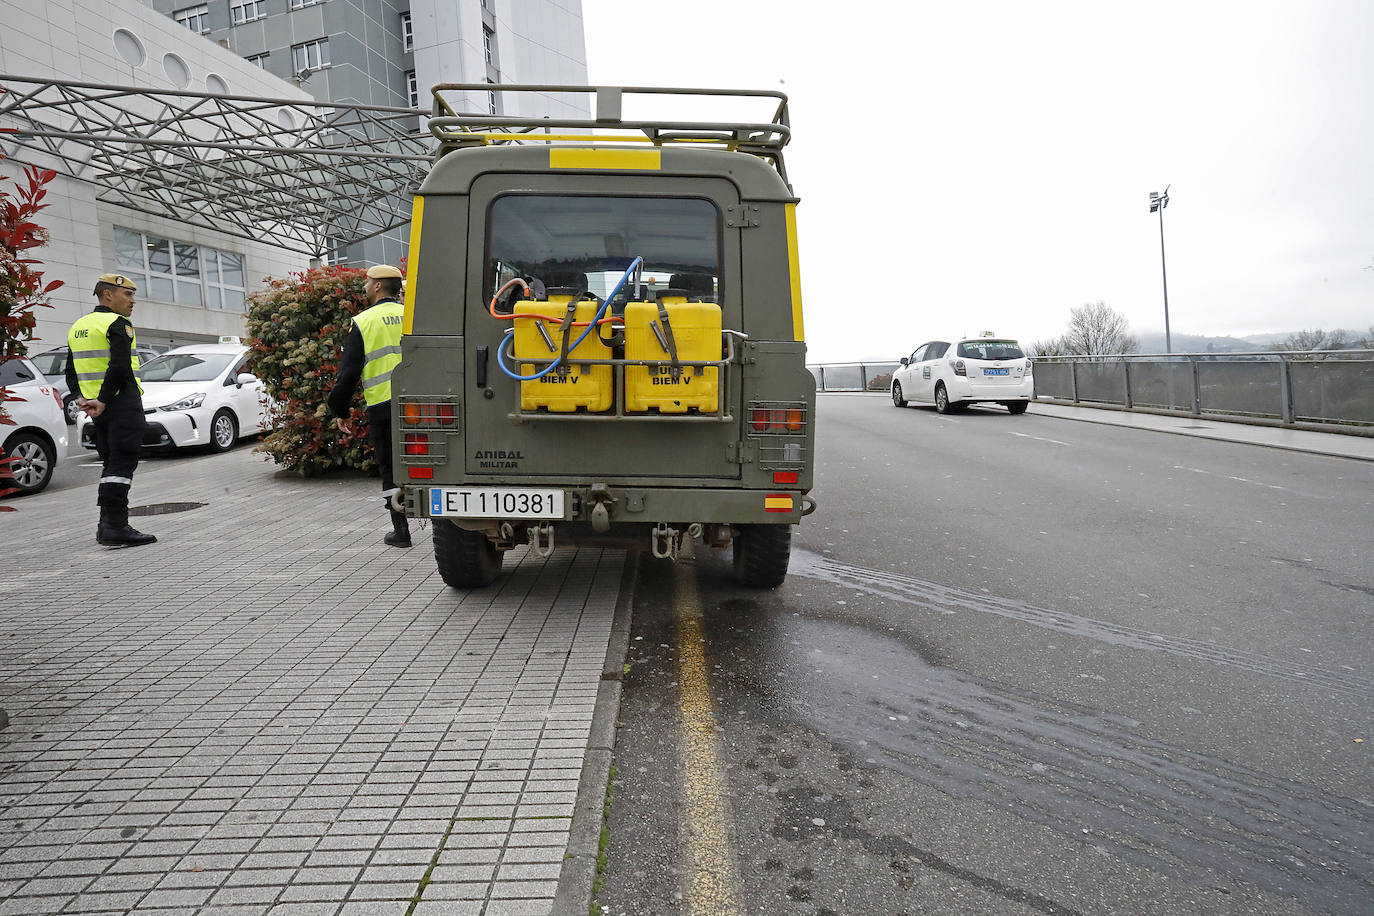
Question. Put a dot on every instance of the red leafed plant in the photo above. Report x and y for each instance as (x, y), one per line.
(21, 278)
(297, 328)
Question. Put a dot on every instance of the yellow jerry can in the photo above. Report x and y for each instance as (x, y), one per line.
(695, 333)
(582, 387)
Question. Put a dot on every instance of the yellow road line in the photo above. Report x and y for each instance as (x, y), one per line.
(710, 874)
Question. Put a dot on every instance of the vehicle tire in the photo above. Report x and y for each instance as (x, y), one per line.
(33, 464)
(942, 403)
(71, 410)
(1018, 406)
(761, 555)
(897, 398)
(224, 430)
(466, 559)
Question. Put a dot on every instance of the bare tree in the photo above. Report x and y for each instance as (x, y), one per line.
(1053, 347)
(1314, 339)
(1096, 329)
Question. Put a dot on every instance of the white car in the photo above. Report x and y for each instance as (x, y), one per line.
(199, 395)
(968, 371)
(38, 438)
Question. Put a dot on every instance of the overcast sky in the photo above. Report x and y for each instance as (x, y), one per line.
(970, 166)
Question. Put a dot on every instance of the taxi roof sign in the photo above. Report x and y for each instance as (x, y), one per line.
(229, 338)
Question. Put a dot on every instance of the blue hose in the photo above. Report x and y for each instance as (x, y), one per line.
(510, 335)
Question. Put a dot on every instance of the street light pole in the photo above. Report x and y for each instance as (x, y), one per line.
(1157, 204)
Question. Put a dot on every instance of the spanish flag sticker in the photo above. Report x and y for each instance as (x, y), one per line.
(777, 502)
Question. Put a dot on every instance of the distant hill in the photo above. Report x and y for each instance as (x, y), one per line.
(1153, 342)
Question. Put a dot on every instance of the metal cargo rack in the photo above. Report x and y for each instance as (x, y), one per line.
(466, 129)
(721, 414)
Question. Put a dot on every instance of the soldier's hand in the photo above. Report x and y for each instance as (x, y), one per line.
(343, 426)
(92, 407)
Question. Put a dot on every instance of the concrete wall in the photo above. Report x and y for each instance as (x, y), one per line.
(76, 40)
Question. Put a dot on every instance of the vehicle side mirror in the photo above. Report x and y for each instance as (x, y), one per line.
(905, 361)
(244, 378)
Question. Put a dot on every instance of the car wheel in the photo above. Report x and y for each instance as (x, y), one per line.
(71, 409)
(897, 394)
(33, 463)
(224, 431)
(466, 559)
(1018, 406)
(942, 403)
(761, 555)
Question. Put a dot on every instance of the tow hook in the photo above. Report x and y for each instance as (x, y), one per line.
(665, 541)
(541, 540)
(599, 495)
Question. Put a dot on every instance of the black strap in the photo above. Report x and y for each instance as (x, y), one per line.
(668, 335)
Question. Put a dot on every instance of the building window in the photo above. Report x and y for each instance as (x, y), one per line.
(258, 60)
(488, 36)
(195, 18)
(412, 89)
(335, 254)
(241, 11)
(491, 98)
(172, 271)
(298, 4)
(310, 56)
(407, 33)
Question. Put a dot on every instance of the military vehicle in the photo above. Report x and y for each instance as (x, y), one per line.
(603, 335)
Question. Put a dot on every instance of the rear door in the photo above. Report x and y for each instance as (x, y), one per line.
(569, 231)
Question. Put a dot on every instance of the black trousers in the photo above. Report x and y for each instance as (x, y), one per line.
(379, 434)
(118, 438)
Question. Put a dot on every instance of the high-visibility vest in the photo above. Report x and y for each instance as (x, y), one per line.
(89, 340)
(381, 330)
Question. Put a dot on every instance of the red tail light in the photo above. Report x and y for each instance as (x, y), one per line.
(422, 473)
(785, 477)
(759, 418)
(416, 444)
(958, 366)
(421, 413)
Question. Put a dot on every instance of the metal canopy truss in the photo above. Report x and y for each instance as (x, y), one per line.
(305, 175)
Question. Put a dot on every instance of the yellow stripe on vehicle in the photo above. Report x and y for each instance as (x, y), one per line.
(417, 215)
(777, 504)
(636, 159)
(710, 873)
(794, 268)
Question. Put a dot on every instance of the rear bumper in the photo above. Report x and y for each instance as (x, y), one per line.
(961, 389)
(650, 505)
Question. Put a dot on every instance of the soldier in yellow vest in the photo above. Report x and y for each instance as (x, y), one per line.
(102, 368)
(370, 354)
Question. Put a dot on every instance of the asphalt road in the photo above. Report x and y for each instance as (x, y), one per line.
(1020, 665)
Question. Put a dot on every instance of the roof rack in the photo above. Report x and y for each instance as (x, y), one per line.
(463, 129)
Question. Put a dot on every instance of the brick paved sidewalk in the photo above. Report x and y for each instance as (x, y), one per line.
(268, 711)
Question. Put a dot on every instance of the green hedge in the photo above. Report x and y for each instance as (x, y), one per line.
(297, 329)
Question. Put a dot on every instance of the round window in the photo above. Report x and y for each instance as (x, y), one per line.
(129, 47)
(177, 72)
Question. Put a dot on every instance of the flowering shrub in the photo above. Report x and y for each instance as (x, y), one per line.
(297, 329)
(21, 280)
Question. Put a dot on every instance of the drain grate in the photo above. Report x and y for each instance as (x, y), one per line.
(163, 508)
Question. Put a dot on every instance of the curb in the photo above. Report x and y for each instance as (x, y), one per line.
(578, 876)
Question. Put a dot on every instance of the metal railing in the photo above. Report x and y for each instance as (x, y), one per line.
(1322, 388)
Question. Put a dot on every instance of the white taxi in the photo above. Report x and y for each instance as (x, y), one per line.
(952, 375)
(200, 395)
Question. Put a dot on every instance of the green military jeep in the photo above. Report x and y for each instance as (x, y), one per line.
(603, 336)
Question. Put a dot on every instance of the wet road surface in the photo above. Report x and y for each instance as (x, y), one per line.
(1084, 672)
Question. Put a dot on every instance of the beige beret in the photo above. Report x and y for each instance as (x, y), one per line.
(116, 280)
(383, 271)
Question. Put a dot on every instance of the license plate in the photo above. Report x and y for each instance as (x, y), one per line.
(997, 372)
(495, 502)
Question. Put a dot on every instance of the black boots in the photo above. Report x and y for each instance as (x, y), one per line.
(114, 530)
(400, 533)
